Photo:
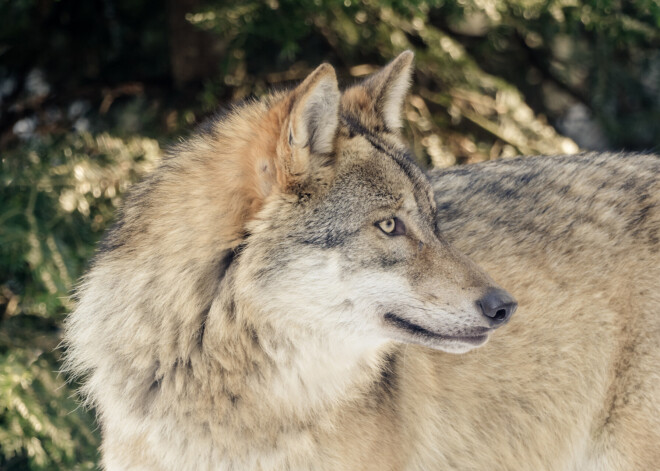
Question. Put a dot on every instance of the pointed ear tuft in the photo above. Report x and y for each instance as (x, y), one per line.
(389, 87)
(315, 112)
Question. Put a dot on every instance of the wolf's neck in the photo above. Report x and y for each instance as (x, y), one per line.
(311, 373)
(292, 376)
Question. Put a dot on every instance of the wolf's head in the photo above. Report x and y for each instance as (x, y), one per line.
(337, 226)
(302, 211)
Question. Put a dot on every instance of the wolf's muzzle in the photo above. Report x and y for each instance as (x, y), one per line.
(498, 306)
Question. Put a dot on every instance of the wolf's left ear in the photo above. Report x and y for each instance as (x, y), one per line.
(386, 91)
(315, 112)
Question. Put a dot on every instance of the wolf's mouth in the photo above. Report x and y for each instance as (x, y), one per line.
(477, 335)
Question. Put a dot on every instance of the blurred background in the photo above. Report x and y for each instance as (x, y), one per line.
(92, 91)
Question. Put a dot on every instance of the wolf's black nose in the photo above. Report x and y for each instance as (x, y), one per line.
(497, 305)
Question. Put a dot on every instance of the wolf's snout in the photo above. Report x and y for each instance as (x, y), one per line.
(498, 306)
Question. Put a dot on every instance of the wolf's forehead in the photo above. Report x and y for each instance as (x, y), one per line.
(389, 184)
(388, 166)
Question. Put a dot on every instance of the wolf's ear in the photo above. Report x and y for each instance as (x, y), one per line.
(385, 92)
(315, 112)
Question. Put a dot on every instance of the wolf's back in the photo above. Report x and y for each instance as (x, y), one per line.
(563, 203)
(577, 239)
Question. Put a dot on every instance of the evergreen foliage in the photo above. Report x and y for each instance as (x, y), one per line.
(57, 194)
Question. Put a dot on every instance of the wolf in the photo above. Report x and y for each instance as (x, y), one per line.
(288, 290)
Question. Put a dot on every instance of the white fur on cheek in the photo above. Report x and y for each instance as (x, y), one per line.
(317, 295)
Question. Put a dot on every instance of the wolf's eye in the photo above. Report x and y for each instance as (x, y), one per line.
(392, 226)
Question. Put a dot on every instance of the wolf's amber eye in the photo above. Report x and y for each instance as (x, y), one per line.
(392, 226)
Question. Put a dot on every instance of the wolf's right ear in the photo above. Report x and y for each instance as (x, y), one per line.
(308, 128)
(277, 147)
(315, 111)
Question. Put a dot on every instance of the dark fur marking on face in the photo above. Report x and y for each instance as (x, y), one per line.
(388, 261)
(402, 158)
(328, 239)
(409, 326)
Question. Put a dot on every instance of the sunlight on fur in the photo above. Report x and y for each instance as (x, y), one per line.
(249, 311)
